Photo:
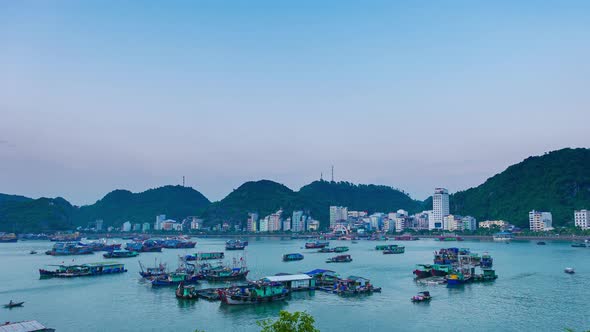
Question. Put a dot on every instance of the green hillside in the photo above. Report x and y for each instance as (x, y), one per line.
(558, 182)
(39, 215)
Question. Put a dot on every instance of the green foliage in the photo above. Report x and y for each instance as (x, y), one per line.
(266, 197)
(43, 214)
(289, 322)
(558, 182)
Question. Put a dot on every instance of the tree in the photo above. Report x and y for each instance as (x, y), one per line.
(289, 322)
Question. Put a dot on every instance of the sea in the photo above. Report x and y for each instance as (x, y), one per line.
(532, 292)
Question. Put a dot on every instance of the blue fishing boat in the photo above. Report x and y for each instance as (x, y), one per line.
(236, 245)
(68, 248)
(292, 257)
(82, 270)
(120, 254)
(174, 279)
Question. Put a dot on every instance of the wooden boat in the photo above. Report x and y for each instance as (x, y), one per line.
(569, 270)
(486, 261)
(541, 243)
(69, 248)
(203, 256)
(341, 249)
(90, 269)
(339, 259)
(292, 257)
(151, 272)
(120, 254)
(33, 252)
(440, 270)
(226, 274)
(326, 250)
(178, 244)
(458, 278)
(256, 293)
(13, 304)
(186, 292)
(316, 245)
(422, 271)
(8, 238)
(236, 245)
(174, 279)
(487, 275)
(354, 285)
(394, 249)
(422, 297)
(579, 245)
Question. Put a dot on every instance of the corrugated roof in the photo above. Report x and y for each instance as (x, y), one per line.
(27, 326)
(290, 277)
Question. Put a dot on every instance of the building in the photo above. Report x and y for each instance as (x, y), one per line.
(540, 221)
(313, 225)
(196, 223)
(287, 225)
(298, 222)
(145, 227)
(400, 223)
(440, 208)
(264, 224)
(252, 223)
(274, 221)
(137, 227)
(582, 219)
(493, 223)
(126, 227)
(159, 220)
(99, 224)
(338, 214)
(468, 223)
(452, 223)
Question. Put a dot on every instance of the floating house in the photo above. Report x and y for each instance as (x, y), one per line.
(293, 282)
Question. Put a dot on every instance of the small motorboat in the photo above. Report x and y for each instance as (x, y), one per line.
(569, 270)
(579, 245)
(541, 243)
(13, 304)
(422, 297)
(33, 252)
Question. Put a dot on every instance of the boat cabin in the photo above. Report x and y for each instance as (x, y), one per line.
(293, 282)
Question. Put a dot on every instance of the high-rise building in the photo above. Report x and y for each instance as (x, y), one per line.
(126, 227)
(287, 224)
(136, 227)
(337, 214)
(252, 222)
(540, 221)
(440, 208)
(159, 221)
(582, 219)
(99, 223)
(274, 221)
(469, 223)
(297, 222)
(452, 223)
(145, 227)
(264, 224)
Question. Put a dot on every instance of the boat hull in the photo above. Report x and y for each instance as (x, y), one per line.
(244, 300)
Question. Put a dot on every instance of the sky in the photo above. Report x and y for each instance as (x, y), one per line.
(103, 95)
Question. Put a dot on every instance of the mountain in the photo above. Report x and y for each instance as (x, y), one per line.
(39, 215)
(4, 198)
(558, 182)
(118, 206)
(266, 197)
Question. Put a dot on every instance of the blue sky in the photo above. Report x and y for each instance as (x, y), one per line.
(98, 95)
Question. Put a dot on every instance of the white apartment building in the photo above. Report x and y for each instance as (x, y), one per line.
(126, 227)
(492, 223)
(440, 208)
(582, 219)
(337, 214)
(264, 224)
(540, 221)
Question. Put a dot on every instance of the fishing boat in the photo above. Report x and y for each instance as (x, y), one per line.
(236, 245)
(341, 249)
(569, 270)
(382, 247)
(422, 297)
(13, 304)
(323, 277)
(120, 254)
(255, 293)
(187, 292)
(203, 256)
(579, 245)
(326, 250)
(316, 244)
(486, 261)
(354, 285)
(458, 278)
(174, 279)
(178, 244)
(151, 272)
(8, 238)
(487, 275)
(503, 236)
(82, 270)
(541, 243)
(224, 273)
(100, 245)
(32, 252)
(440, 270)
(448, 238)
(292, 257)
(394, 249)
(422, 271)
(144, 246)
(68, 248)
(66, 237)
(339, 259)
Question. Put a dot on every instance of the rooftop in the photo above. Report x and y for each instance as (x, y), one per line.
(289, 277)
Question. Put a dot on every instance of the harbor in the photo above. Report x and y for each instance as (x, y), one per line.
(519, 266)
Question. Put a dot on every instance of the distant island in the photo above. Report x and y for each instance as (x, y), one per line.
(558, 181)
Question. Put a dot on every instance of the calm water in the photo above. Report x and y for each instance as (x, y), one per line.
(531, 293)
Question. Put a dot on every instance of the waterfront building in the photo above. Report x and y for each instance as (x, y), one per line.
(252, 222)
(196, 223)
(264, 224)
(313, 225)
(400, 223)
(540, 221)
(274, 222)
(99, 223)
(287, 225)
(126, 227)
(145, 227)
(493, 223)
(468, 223)
(137, 227)
(159, 220)
(298, 222)
(582, 219)
(337, 214)
(452, 223)
(440, 208)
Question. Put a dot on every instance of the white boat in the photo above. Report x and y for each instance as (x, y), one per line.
(569, 270)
